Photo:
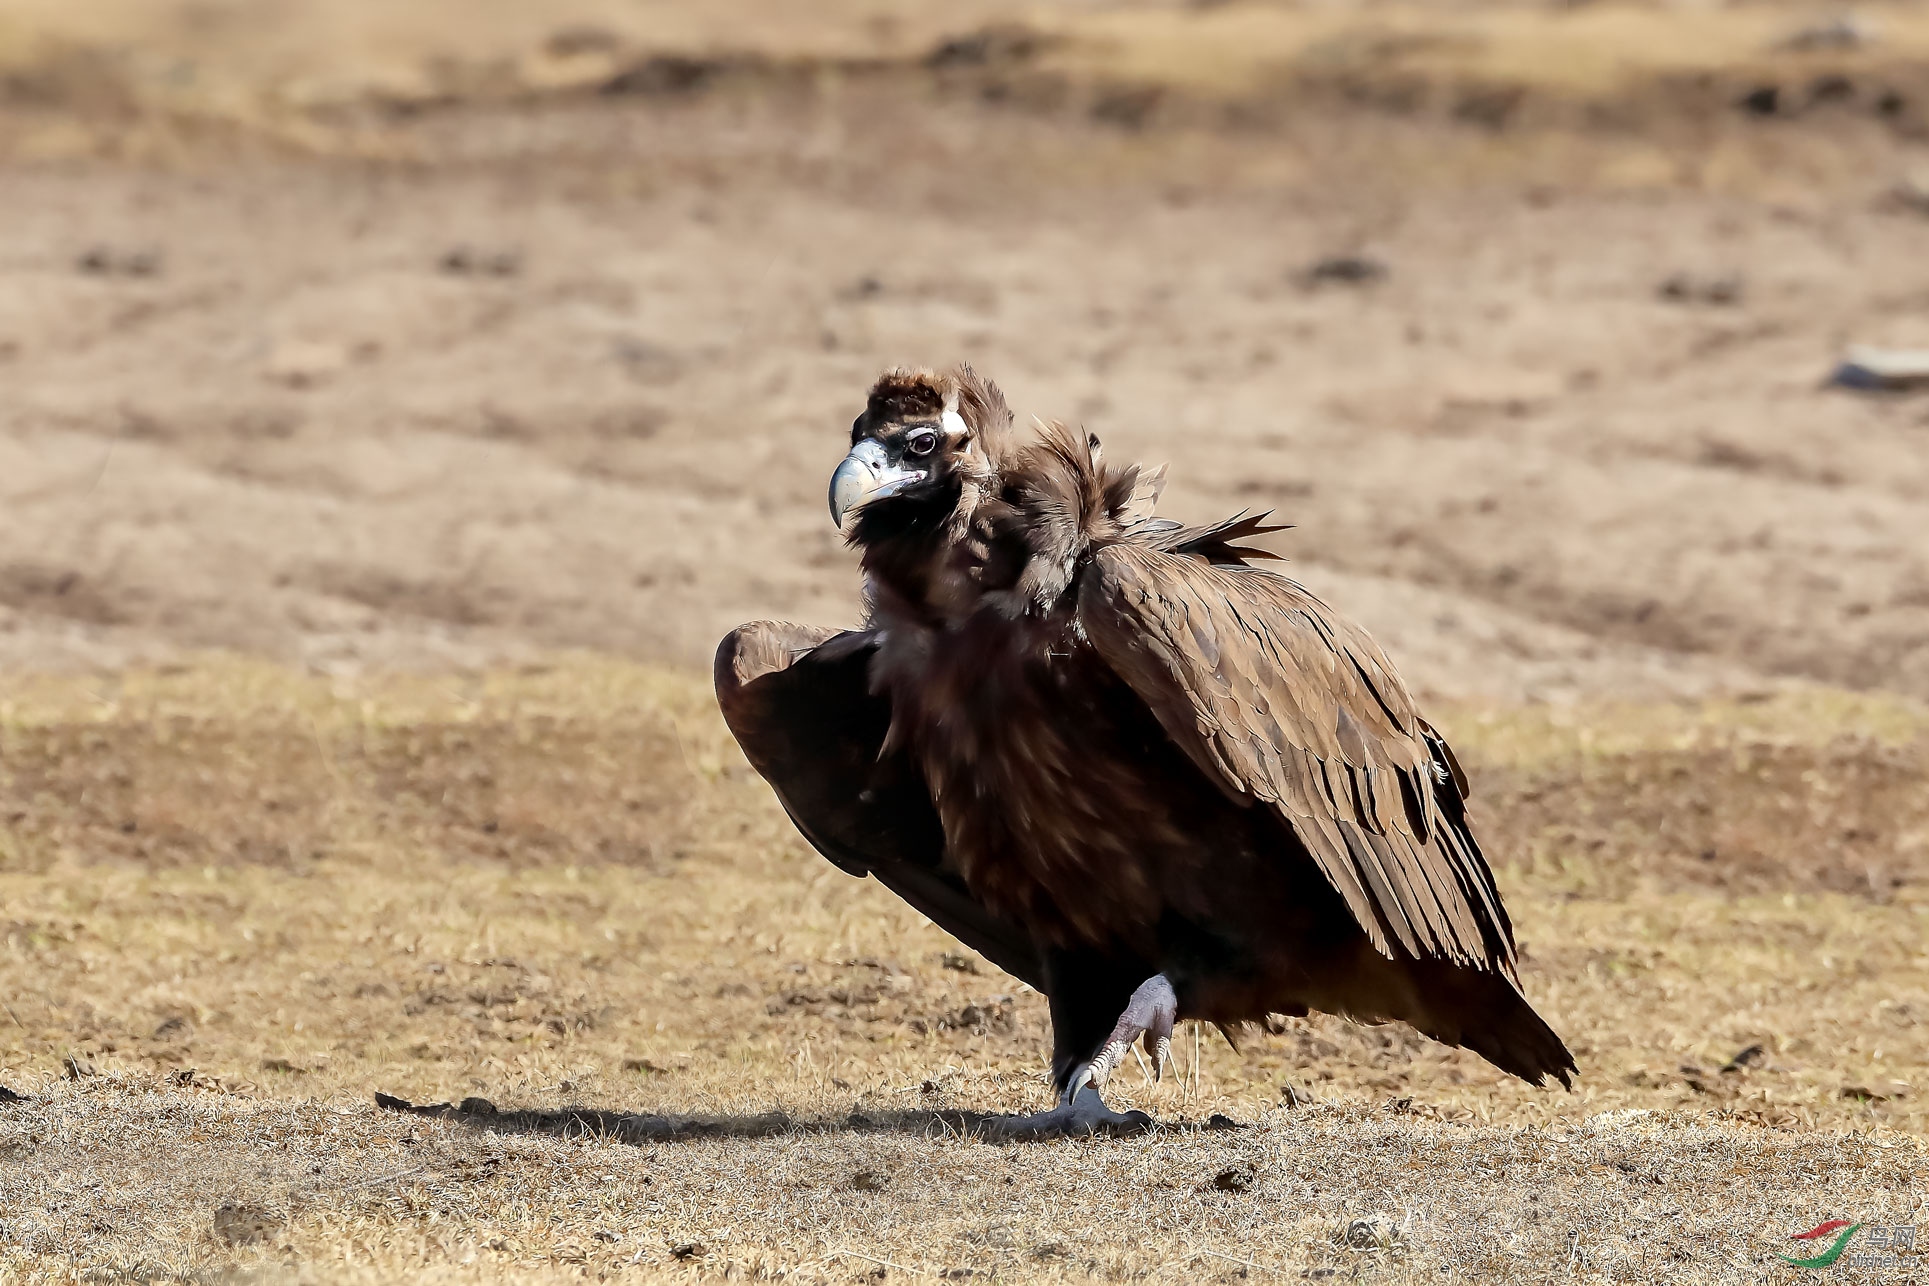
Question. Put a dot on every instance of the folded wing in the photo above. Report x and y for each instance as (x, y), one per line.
(1284, 704)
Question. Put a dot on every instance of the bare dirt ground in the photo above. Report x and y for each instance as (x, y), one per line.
(396, 405)
(572, 373)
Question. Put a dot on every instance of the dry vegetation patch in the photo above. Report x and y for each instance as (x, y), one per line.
(1816, 790)
(334, 77)
(159, 1184)
(240, 902)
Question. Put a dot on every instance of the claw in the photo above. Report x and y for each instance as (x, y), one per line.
(1158, 1036)
(1094, 1074)
(1081, 1080)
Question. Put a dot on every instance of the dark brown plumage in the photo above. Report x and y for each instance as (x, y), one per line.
(1125, 765)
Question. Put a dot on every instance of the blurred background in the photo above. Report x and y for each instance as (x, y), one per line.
(353, 333)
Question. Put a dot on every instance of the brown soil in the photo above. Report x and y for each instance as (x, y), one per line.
(574, 375)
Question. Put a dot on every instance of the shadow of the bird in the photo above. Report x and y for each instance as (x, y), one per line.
(654, 1127)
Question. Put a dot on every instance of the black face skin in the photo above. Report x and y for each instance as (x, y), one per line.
(917, 507)
(906, 478)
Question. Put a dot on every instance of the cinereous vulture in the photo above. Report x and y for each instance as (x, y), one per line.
(1097, 746)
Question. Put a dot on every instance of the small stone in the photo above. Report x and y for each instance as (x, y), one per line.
(1882, 370)
(1911, 192)
(468, 261)
(1344, 270)
(1688, 288)
(108, 261)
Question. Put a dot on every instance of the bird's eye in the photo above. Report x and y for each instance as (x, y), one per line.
(923, 442)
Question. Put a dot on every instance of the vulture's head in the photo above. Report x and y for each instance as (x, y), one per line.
(927, 446)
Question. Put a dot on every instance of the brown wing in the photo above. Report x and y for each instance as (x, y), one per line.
(1280, 701)
(798, 700)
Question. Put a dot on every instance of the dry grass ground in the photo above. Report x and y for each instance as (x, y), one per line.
(240, 901)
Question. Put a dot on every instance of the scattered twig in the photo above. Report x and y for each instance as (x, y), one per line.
(873, 1259)
(683, 750)
(328, 760)
(385, 1178)
(106, 459)
(1234, 1259)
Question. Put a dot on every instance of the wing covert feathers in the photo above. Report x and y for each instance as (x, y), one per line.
(1285, 704)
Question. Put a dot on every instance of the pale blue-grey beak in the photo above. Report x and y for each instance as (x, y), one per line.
(867, 474)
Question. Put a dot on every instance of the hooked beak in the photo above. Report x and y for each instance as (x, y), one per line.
(867, 474)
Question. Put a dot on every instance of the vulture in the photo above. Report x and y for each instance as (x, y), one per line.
(1102, 749)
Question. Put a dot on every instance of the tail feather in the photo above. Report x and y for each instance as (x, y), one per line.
(1482, 1010)
(1519, 1041)
(1525, 1046)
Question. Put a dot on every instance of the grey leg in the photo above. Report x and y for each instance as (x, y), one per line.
(1149, 1014)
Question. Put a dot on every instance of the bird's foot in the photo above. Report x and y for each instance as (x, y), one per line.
(1080, 1113)
(1150, 1014)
